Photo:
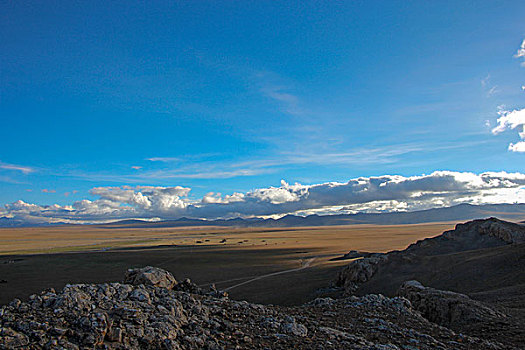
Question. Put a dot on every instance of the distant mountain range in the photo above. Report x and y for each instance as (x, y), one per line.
(9, 222)
(511, 212)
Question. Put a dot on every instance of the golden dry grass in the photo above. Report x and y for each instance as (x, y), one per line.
(327, 239)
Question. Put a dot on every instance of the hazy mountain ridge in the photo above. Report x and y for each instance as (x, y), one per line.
(461, 212)
(512, 212)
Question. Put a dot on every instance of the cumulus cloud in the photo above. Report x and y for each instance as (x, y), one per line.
(145, 198)
(517, 147)
(446, 187)
(379, 193)
(510, 120)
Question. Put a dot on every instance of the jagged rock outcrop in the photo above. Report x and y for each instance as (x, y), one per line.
(476, 234)
(471, 236)
(152, 311)
(359, 271)
(449, 309)
(462, 314)
(481, 257)
(508, 232)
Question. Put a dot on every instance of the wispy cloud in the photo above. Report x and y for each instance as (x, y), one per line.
(288, 102)
(485, 81)
(184, 158)
(493, 90)
(279, 91)
(212, 174)
(372, 155)
(490, 88)
(223, 169)
(10, 180)
(21, 168)
(163, 159)
(200, 171)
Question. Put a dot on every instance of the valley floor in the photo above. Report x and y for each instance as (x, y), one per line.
(264, 265)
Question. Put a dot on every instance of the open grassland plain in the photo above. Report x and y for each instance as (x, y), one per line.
(264, 265)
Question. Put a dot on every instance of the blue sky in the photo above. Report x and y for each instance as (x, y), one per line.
(236, 96)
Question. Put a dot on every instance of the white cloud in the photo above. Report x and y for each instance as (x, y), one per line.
(144, 198)
(213, 197)
(379, 193)
(517, 147)
(510, 120)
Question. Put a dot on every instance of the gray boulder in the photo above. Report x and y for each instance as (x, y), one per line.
(150, 276)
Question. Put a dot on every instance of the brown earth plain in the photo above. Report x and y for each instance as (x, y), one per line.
(286, 266)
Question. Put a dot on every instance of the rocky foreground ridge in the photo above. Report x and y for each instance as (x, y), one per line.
(151, 310)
